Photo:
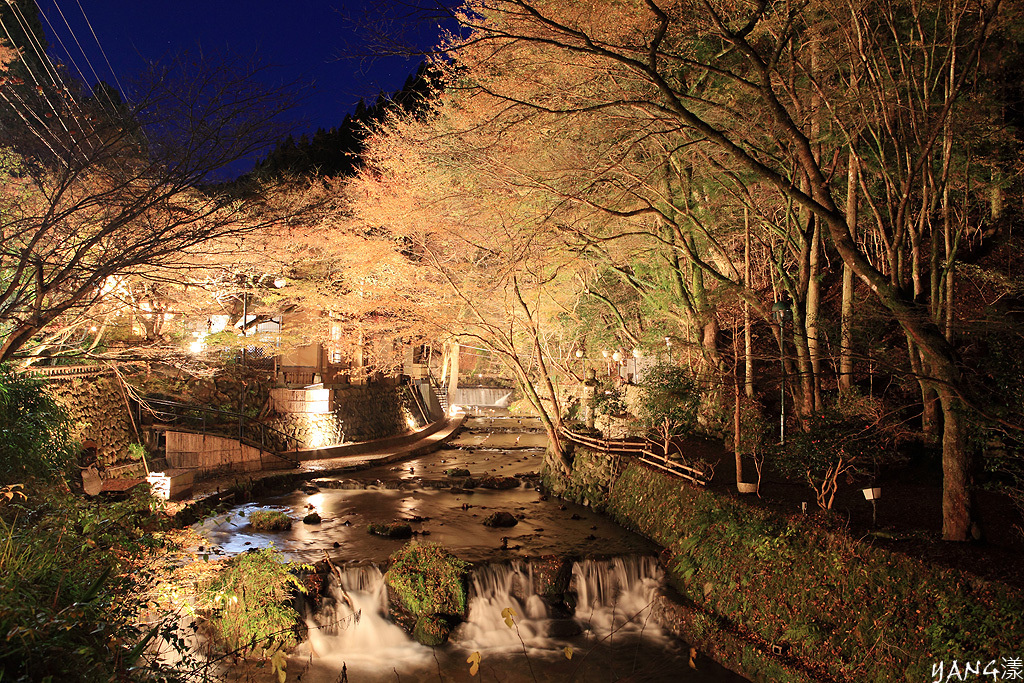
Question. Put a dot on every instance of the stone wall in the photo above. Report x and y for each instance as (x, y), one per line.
(361, 412)
(98, 413)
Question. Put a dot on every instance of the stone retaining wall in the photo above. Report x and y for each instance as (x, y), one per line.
(98, 413)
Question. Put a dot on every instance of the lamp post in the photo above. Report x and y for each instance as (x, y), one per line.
(782, 312)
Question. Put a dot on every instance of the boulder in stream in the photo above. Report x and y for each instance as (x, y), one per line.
(500, 483)
(501, 519)
(391, 530)
(431, 630)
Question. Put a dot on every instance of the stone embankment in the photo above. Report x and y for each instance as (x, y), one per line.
(98, 412)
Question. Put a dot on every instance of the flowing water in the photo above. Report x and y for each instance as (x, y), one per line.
(602, 631)
(611, 637)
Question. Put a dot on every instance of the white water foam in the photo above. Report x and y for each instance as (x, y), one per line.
(352, 624)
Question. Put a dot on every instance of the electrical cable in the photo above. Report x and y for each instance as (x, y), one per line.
(102, 51)
(35, 79)
(81, 49)
(60, 40)
(36, 45)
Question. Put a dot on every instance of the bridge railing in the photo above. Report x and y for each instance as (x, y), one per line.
(57, 371)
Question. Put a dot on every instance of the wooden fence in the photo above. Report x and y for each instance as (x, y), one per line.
(60, 371)
(639, 449)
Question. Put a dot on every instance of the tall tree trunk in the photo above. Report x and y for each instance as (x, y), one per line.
(748, 343)
(846, 321)
(813, 299)
(453, 369)
(812, 308)
(957, 504)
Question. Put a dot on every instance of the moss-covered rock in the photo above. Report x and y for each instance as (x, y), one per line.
(269, 520)
(427, 579)
(431, 630)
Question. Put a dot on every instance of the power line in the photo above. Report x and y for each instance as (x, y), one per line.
(100, 46)
(35, 79)
(81, 49)
(60, 40)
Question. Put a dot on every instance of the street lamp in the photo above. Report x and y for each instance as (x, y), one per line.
(782, 313)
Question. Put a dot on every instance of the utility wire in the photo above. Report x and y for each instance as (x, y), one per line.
(60, 40)
(35, 79)
(82, 50)
(34, 43)
(100, 46)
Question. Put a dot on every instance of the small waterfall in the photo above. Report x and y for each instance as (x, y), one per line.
(616, 595)
(483, 396)
(352, 623)
(612, 597)
(493, 588)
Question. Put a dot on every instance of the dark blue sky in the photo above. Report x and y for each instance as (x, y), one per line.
(318, 42)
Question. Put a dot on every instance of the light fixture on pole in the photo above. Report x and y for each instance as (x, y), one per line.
(782, 313)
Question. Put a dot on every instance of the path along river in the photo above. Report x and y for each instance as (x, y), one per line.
(610, 634)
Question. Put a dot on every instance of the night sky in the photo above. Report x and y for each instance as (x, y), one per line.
(323, 44)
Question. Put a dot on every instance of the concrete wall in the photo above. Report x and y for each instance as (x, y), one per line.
(357, 412)
(210, 454)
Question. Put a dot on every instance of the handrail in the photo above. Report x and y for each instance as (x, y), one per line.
(642, 453)
(266, 438)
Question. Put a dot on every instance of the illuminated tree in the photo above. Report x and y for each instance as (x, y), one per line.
(640, 133)
(93, 194)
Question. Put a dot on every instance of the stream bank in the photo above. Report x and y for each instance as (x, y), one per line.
(778, 597)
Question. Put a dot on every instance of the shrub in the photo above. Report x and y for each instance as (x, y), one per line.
(251, 604)
(668, 403)
(844, 439)
(269, 520)
(72, 576)
(427, 579)
(34, 437)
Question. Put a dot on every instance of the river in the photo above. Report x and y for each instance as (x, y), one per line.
(609, 636)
